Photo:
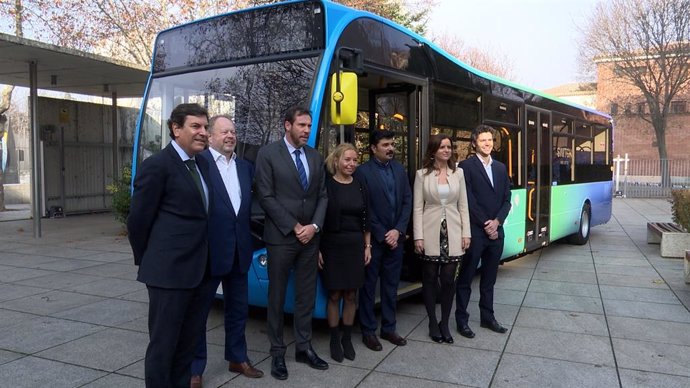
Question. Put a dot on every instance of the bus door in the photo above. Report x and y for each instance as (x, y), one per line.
(402, 107)
(538, 174)
(397, 109)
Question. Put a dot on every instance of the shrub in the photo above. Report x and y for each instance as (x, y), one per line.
(121, 194)
(680, 207)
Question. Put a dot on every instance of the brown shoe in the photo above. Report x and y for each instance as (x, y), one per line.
(196, 382)
(394, 338)
(371, 342)
(246, 369)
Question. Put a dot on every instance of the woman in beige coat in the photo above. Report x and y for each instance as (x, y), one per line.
(441, 229)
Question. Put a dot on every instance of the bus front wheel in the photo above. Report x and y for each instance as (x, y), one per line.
(582, 235)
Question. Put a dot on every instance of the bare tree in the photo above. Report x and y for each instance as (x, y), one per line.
(644, 45)
(483, 60)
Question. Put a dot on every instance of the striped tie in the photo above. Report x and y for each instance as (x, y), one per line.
(300, 170)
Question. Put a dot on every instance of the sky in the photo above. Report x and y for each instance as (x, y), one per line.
(540, 36)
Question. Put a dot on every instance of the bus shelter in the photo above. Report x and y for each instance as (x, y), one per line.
(37, 65)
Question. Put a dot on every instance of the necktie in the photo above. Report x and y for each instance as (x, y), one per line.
(191, 165)
(300, 170)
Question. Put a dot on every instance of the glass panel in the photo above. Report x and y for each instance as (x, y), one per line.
(256, 96)
(601, 149)
(583, 130)
(386, 46)
(562, 124)
(561, 168)
(273, 30)
(392, 114)
(501, 111)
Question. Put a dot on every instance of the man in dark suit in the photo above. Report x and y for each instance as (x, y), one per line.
(167, 228)
(390, 204)
(488, 197)
(290, 181)
(230, 245)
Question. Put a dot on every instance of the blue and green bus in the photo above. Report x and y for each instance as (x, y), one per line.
(359, 73)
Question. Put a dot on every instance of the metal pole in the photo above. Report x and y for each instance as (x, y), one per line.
(625, 176)
(116, 146)
(35, 149)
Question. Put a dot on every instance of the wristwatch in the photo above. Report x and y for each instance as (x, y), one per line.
(316, 228)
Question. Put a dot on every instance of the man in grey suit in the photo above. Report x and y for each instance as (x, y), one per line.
(290, 181)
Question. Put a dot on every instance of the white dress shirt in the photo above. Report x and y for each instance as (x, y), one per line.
(228, 172)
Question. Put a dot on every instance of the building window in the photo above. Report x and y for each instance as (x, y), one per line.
(614, 108)
(678, 107)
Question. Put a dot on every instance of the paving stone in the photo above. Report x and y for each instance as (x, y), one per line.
(109, 349)
(583, 304)
(16, 291)
(642, 379)
(449, 364)
(108, 312)
(525, 371)
(652, 356)
(49, 302)
(565, 276)
(560, 320)
(109, 287)
(585, 266)
(42, 333)
(552, 287)
(650, 330)
(115, 380)
(378, 380)
(32, 372)
(657, 311)
(637, 294)
(583, 348)
(111, 270)
(627, 270)
(60, 280)
(631, 281)
(13, 274)
(7, 356)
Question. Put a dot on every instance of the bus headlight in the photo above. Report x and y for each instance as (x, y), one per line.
(263, 260)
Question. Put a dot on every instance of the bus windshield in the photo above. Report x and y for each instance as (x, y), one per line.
(255, 95)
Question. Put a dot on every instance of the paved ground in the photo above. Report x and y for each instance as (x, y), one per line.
(612, 313)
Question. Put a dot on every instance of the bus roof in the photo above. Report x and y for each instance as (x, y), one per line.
(330, 6)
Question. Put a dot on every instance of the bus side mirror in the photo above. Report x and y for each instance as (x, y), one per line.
(344, 98)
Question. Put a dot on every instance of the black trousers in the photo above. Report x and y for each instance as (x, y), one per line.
(489, 251)
(282, 260)
(175, 320)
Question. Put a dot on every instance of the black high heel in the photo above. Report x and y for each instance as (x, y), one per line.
(436, 337)
(447, 338)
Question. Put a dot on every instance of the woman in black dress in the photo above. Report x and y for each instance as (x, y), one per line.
(345, 246)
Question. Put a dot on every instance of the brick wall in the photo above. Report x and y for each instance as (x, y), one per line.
(632, 134)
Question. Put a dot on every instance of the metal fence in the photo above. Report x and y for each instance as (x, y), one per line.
(641, 178)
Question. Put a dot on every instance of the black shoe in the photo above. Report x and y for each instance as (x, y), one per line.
(445, 333)
(371, 342)
(394, 338)
(336, 347)
(278, 368)
(465, 331)
(435, 332)
(310, 358)
(494, 326)
(348, 349)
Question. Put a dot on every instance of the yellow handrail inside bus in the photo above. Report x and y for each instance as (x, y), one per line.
(529, 202)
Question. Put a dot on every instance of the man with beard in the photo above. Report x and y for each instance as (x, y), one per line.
(291, 186)
(390, 204)
(230, 245)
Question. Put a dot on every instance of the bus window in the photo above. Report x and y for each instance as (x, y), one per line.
(561, 168)
(601, 141)
(508, 148)
(501, 111)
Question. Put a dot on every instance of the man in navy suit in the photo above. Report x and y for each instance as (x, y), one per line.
(488, 197)
(168, 230)
(390, 204)
(291, 185)
(230, 244)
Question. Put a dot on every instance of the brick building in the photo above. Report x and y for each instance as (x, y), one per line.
(632, 135)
